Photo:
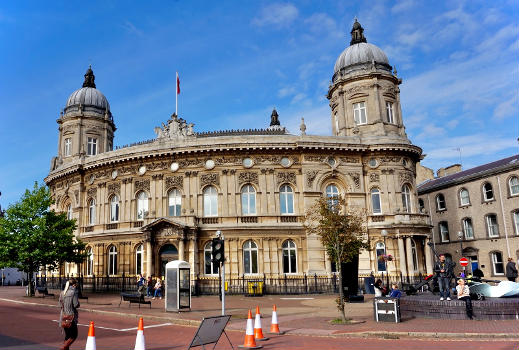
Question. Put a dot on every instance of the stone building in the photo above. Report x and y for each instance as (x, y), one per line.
(142, 205)
(475, 214)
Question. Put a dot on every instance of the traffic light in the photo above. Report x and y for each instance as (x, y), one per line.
(217, 250)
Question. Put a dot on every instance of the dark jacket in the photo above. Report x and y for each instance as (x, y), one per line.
(447, 266)
(69, 303)
(511, 270)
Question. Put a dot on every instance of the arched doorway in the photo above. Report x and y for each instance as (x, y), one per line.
(167, 253)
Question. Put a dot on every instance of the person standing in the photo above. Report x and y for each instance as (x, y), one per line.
(69, 303)
(464, 294)
(443, 270)
(158, 288)
(149, 284)
(511, 270)
(141, 285)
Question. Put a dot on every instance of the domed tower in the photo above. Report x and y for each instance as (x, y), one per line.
(86, 126)
(364, 94)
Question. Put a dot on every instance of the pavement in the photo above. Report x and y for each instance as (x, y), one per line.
(307, 315)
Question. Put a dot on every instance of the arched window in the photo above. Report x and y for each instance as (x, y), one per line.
(515, 216)
(69, 211)
(380, 248)
(332, 193)
(497, 263)
(250, 258)
(210, 201)
(92, 212)
(406, 198)
(421, 205)
(513, 184)
(114, 208)
(488, 192)
(90, 262)
(112, 260)
(464, 197)
(440, 202)
(248, 200)
(174, 202)
(468, 230)
(415, 255)
(375, 201)
(289, 257)
(138, 259)
(286, 200)
(210, 268)
(142, 205)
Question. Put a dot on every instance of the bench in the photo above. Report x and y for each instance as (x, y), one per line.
(135, 298)
(44, 291)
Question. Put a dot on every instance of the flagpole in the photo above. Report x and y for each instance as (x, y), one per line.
(176, 95)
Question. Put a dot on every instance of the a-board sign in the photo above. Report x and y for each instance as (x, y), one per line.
(210, 331)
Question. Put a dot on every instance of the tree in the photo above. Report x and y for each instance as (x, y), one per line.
(32, 235)
(341, 230)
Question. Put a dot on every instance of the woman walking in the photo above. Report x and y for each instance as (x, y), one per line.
(69, 302)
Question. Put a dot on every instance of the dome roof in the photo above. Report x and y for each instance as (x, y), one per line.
(88, 95)
(360, 53)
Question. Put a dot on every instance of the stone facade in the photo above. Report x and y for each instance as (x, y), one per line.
(482, 206)
(140, 206)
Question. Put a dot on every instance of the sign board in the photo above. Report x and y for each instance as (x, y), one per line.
(464, 262)
(210, 331)
(387, 309)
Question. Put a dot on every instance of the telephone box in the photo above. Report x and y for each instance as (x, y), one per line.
(178, 286)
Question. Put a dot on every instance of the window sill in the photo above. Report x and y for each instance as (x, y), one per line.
(464, 206)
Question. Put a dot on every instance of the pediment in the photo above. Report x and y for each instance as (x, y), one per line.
(165, 227)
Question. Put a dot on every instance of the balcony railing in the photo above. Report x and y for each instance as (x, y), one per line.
(89, 229)
(137, 223)
(288, 218)
(249, 219)
(209, 221)
(112, 226)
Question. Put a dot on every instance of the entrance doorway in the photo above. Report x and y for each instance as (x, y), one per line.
(167, 253)
(474, 265)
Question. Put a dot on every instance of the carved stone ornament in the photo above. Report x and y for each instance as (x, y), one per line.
(184, 163)
(142, 185)
(91, 192)
(248, 177)
(374, 177)
(283, 177)
(405, 177)
(391, 160)
(356, 179)
(169, 231)
(76, 196)
(349, 160)
(174, 181)
(310, 177)
(319, 159)
(209, 179)
(175, 129)
(114, 188)
(267, 159)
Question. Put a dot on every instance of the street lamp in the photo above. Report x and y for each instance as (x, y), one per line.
(460, 237)
(384, 234)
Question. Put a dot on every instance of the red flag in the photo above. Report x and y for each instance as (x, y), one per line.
(178, 85)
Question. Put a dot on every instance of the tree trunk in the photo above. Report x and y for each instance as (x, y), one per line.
(341, 291)
(30, 285)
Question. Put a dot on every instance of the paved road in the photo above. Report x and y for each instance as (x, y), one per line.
(30, 327)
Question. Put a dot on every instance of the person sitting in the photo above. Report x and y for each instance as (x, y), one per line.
(464, 294)
(158, 289)
(380, 290)
(395, 292)
(141, 285)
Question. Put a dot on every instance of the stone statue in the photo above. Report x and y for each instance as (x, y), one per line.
(302, 127)
(176, 128)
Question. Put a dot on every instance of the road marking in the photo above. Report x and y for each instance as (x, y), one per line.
(123, 329)
(296, 298)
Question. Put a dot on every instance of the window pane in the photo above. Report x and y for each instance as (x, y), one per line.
(283, 202)
(514, 185)
(254, 259)
(375, 201)
(246, 261)
(286, 261)
(293, 263)
(207, 260)
(516, 222)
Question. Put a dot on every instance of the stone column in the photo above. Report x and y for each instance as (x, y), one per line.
(428, 257)
(401, 256)
(148, 258)
(181, 249)
(409, 252)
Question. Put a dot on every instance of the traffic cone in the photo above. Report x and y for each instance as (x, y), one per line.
(249, 343)
(139, 341)
(258, 332)
(91, 339)
(274, 326)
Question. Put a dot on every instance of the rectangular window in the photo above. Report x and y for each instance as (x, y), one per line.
(444, 231)
(359, 113)
(516, 222)
(467, 227)
(91, 146)
(497, 263)
(389, 110)
(492, 228)
(68, 147)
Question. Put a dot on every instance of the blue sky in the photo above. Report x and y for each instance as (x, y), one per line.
(237, 60)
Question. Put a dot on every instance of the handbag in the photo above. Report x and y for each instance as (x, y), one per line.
(66, 321)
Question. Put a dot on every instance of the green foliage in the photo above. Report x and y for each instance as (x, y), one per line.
(32, 235)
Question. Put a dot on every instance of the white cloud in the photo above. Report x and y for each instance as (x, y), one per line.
(507, 108)
(300, 97)
(286, 91)
(276, 15)
(131, 28)
(402, 6)
(321, 23)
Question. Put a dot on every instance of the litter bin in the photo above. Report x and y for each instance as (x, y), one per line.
(254, 288)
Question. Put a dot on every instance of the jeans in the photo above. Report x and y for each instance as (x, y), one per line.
(468, 306)
(444, 284)
(158, 292)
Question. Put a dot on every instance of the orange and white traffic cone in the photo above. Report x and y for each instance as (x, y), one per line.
(91, 339)
(258, 332)
(274, 326)
(249, 343)
(139, 341)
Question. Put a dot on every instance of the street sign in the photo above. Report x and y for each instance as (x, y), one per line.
(464, 262)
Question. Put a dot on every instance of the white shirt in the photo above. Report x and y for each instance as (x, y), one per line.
(462, 292)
